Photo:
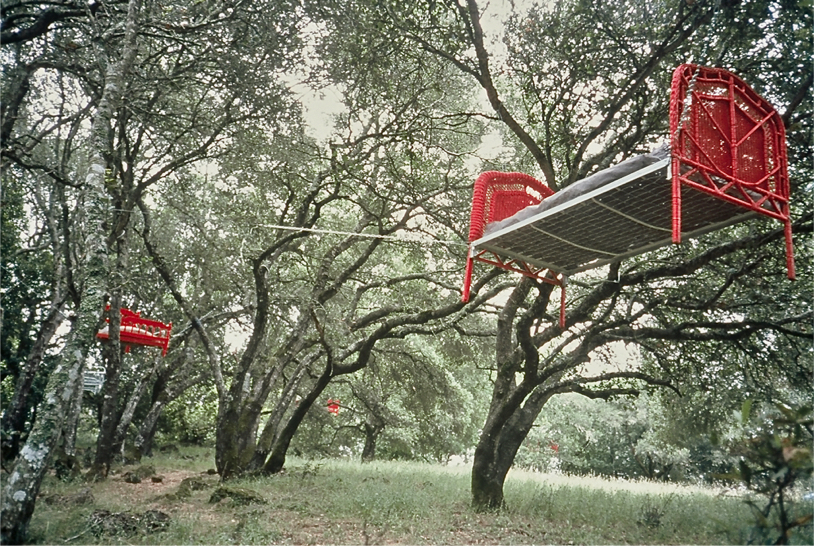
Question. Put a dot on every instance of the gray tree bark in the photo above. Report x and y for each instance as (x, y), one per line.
(72, 419)
(14, 415)
(21, 490)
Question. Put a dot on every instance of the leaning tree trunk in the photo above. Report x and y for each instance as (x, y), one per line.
(126, 416)
(23, 485)
(493, 458)
(499, 443)
(162, 395)
(281, 446)
(14, 416)
(271, 430)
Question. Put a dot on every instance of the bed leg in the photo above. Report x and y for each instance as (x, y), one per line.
(563, 303)
(676, 201)
(790, 255)
(468, 276)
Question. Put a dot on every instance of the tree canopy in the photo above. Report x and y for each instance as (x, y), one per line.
(159, 157)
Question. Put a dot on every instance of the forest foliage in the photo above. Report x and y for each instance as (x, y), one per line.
(164, 157)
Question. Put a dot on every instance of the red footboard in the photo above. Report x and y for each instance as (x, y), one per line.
(135, 330)
(731, 144)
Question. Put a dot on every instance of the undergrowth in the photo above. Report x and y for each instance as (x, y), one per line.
(335, 501)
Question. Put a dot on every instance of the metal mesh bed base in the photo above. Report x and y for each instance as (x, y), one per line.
(728, 163)
(622, 219)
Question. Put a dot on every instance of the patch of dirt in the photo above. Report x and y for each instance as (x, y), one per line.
(147, 492)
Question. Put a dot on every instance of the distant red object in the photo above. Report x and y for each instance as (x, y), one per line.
(333, 406)
(554, 447)
(135, 330)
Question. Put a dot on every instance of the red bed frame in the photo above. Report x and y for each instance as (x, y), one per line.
(496, 196)
(135, 330)
(730, 144)
(728, 163)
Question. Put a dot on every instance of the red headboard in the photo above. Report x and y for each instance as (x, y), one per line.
(730, 143)
(498, 195)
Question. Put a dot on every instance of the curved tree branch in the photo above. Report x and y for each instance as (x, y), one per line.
(169, 281)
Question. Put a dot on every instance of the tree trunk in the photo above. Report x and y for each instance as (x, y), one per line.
(488, 474)
(108, 444)
(506, 429)
(271, 430)
(21, 490)
(14, 416)
(147, 429)
(163, 393)
(281, 446)
(105, 440)
(72, 420)
(492, 460)
(372, 432)
(126, 417)
(239, 413)
(493, 457)
(23, 485)
(486, 485)
(235, 439)
(513, 408)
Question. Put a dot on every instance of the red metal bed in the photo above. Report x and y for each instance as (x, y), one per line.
(727, 162)
(135, 330)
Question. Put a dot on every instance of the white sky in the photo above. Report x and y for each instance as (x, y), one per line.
(320, 107)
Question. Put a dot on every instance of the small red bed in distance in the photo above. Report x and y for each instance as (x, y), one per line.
(135, 330)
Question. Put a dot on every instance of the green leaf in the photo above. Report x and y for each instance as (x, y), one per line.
(745, 411)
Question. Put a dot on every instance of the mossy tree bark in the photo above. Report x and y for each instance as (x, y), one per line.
(15, 413)
(30, 466)
(21, 490)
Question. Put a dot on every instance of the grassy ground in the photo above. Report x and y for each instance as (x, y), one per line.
(341, 502)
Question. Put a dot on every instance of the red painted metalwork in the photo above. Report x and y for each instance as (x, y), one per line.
(496, 196)
(726, 142)
(135, 330)
(333, 406)
(730, 144)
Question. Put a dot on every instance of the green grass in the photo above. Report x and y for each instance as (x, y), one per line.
(335, 501)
